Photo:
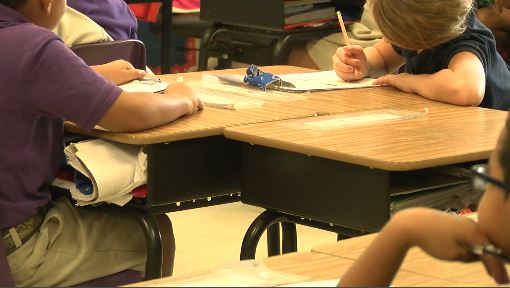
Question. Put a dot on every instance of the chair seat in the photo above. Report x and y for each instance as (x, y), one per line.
(130, 50)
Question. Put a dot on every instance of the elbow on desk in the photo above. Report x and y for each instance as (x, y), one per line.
(461, 94)
(465, 97)
(134, 112)
(128, 114)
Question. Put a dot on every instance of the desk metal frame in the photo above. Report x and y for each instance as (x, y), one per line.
(206, 172)
(293, 188)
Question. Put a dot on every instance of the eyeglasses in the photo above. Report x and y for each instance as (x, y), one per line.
(481, 179)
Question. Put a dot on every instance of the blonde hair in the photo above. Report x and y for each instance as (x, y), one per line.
(420, 24)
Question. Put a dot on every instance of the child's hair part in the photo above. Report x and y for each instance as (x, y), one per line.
(12, 3)
(418, 24)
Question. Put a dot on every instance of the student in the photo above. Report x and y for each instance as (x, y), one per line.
(316, 53)
(53, 243)
(76, 28)
(113, 15)
(449, 55)
(496, 16)
(445, 236)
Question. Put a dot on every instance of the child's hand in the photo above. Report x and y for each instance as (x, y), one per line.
(349, 61)
(451, 237)
(119, 71)
(402, 81)
(180, 89)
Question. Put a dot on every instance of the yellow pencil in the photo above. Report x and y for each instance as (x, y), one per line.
(344, 32)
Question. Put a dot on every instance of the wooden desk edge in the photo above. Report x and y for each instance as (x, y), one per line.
(131, 138)
(338, 156)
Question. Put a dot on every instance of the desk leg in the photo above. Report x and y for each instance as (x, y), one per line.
(273, 240)
(289, 237)
(269, 220)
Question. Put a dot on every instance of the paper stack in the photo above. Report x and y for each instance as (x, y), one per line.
(114, 169)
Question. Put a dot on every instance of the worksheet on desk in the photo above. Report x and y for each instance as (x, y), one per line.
(144, 86)
(323, 80)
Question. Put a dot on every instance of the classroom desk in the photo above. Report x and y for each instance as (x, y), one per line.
(416, 261)
(191, 164)
(197, 144)
(212, 121)
(341, 179)
(311, 266)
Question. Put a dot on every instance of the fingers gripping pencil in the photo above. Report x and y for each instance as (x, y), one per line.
(344, 33)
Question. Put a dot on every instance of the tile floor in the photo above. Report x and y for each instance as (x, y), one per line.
(212, 236)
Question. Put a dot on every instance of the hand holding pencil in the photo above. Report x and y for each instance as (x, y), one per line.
(349, 62)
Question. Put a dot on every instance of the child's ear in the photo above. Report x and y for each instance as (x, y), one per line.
(46, 6)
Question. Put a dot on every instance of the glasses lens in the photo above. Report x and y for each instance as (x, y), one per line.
(479, 183)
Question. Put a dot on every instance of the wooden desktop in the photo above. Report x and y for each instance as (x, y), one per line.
(341, 179)
(191, 164)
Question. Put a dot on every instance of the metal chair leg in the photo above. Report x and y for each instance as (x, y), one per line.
(153, 266)
(205, 44)
(166, 37)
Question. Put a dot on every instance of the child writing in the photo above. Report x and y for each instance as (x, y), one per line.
(445, 236)
(449, 55)
(52, 243)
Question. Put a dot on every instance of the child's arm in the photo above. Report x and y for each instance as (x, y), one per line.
(462, 83)
(377, 266)
(119, 71)
(441, 235)
(133, 112)
(383, 59)
(374, 61)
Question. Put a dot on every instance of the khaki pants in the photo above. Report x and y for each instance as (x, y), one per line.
(75, 245)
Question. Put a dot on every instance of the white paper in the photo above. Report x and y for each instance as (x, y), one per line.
(324, 80)
(234, 94)
(114, 169)
(144, 86)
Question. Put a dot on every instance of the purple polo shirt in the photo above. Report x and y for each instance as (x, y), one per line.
(113, 15)
(41, 83)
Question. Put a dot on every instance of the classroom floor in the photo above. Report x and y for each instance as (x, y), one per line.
(212, 236)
